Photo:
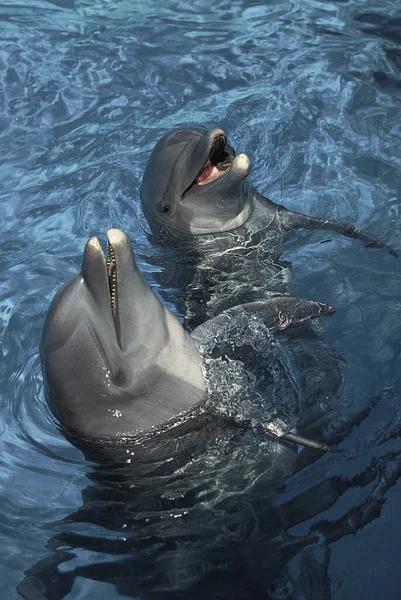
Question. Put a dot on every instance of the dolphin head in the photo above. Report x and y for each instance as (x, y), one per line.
(194, 183)
(115, 360)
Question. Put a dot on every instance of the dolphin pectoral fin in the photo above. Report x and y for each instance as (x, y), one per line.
(294, 438)
(275, 430)
(281, 312)
(294, 220)
(303, 441)
(276, 313)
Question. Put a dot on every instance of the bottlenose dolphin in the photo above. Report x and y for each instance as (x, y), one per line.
(116, 362)
(220, 237)
(195, 184)
(156, 512)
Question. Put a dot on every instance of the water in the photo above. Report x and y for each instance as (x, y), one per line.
(312, 92)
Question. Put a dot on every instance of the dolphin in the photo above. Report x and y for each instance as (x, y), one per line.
(220, 237)
(116, 362)
(194, 184)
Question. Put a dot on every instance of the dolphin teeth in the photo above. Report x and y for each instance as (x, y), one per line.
(112, 276)
(213, 169)
(223, 166)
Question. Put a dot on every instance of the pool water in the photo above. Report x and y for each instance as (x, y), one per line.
(311, 91)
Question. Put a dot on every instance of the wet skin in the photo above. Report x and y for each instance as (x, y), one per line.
(220, 237)
(116, 362)
(108, 317)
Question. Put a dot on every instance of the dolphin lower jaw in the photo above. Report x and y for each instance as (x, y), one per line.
(100, 277)
(228, 208)
(104, 393)
(191, 224)
(122, 397)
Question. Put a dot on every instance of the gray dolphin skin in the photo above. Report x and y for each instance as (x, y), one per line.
(115, 361)
(195, 184)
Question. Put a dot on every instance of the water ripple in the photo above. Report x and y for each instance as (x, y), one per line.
(312, 92)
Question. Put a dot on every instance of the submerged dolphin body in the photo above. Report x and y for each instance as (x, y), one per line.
(116, 362)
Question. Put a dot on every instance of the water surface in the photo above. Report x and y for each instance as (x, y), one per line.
(311, 91)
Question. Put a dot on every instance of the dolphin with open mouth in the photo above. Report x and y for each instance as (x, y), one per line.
(194, 183)
(117, 363)
(221, 238)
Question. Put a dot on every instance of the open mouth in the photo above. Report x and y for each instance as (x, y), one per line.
(112, 276)
(217, 164)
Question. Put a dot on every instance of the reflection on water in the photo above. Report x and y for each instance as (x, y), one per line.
(311, 92)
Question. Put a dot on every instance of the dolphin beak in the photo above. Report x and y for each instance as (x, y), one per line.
(115, 284)
(100, 274)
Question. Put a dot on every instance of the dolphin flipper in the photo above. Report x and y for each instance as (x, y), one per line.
(276, 313)
(294, 220)
(303, 441)
(281, 312)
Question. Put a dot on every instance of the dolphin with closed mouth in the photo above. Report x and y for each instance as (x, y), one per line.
(117, 362)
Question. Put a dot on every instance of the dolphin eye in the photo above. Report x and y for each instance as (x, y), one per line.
(166, 208)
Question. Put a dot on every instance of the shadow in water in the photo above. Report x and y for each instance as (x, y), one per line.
(169, 545)
(216, 507)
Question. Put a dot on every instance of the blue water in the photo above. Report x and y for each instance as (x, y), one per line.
(312, 92)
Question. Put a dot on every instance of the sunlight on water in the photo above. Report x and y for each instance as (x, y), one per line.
(311, 91)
